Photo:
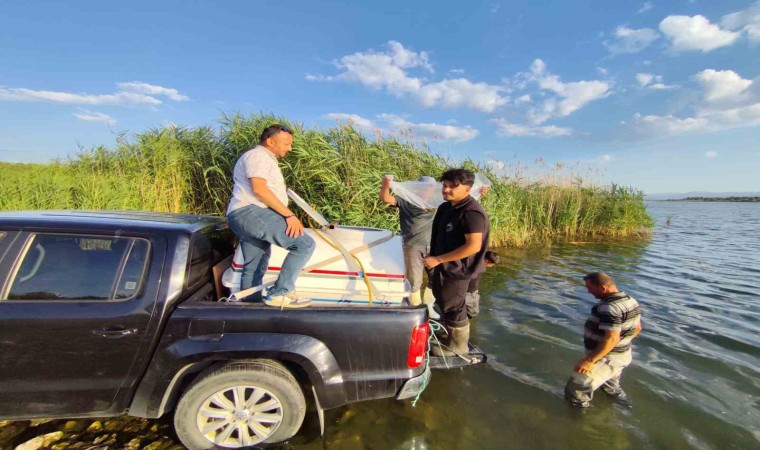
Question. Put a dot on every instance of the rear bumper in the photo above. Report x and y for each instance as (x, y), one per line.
(415, 386)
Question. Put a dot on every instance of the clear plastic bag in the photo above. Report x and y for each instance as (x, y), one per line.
(426, 194)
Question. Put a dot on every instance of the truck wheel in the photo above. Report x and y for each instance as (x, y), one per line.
(240, 405)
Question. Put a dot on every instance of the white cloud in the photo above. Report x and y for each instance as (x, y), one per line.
(133, 93)
(644, 78)
(395, 124)
(149, 89)
(606, 158)
(728, 101)
(724, 87)
(90, 116)
(523, 99)
(456, 71)
(602, 71)
(461, 92)
(389, 71)
(711, 154)
(431, 130)
(645, 7)
(650, 81)
(747, 21)
(120, 98)
(695, 33)
(506, 128)
(628, 40)
(569, 98)
(669, 124)
(357, 121)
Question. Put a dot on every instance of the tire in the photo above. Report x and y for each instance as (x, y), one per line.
(240, 405)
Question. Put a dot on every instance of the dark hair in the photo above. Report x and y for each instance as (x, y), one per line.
(271, 130)
(492, 257)
(599, 279)
(458, 176)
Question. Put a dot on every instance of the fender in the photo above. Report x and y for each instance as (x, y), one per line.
(181, 360)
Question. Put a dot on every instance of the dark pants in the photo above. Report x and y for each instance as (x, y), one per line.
(450, 296)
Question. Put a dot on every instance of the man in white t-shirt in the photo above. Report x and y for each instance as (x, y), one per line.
(258, 213)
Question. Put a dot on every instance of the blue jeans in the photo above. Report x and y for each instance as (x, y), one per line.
(258, 228)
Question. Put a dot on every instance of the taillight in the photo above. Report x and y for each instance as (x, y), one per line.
(418, 346)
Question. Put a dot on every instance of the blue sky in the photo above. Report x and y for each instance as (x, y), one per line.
(663, 96)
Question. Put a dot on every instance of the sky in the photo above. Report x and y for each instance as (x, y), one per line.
(661, 96)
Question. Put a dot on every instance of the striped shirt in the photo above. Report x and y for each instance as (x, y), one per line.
(617, 311)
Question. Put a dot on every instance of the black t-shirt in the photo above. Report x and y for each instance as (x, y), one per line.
(450, 225)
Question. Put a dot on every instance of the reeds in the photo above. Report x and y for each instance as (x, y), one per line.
(337, 170)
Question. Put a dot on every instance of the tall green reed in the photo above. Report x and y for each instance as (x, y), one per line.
(338, 170)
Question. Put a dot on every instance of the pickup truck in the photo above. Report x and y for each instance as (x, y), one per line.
(110, 313)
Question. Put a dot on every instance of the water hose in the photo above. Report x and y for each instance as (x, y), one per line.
(362, 272)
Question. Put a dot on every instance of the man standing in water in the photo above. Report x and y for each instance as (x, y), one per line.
(608, 335)
(258, 213)
(457, 249)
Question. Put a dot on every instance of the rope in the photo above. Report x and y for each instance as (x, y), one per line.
(436, 326)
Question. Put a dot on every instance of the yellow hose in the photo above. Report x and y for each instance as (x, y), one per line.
(361, 266)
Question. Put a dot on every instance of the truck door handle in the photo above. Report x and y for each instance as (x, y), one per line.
(114, 333)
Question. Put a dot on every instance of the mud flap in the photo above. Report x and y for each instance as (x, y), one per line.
(320, 412)
(474, 357)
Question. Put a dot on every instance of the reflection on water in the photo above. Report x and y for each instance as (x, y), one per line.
(695, 380)
(694, 383)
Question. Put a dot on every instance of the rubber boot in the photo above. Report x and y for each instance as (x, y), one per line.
(459, 344)
(429, 300)
(415, 299)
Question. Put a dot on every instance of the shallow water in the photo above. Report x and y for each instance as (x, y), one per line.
(695, 380)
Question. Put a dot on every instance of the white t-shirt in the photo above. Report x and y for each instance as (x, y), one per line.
(258, 162)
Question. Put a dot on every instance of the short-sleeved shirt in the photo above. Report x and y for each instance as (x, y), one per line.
(416, 222)
(617, 311)
(258, 162)
(450, 226)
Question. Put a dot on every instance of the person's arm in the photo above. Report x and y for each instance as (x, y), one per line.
(385, 192)
(263, 193)
(608, 342)
(472, 244)
(637, 330)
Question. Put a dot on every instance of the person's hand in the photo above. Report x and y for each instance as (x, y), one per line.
(583, 366)
(430, 261)
(483, 191)
(294, 227)
(387, 181)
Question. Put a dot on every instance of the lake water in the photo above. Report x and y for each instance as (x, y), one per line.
(694, 382)
(695, 379)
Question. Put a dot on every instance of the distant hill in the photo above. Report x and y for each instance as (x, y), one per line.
(683, 195)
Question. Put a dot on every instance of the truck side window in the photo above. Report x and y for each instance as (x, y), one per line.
(76, 267)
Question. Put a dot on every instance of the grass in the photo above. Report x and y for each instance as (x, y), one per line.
(338, 170)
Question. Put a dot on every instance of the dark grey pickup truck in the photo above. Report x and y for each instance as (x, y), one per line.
(109, 313)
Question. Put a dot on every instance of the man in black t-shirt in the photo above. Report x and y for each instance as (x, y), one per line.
(457, 249)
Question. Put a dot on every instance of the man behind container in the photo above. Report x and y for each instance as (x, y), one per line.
(472, 300)
(258, 213)
(608, 335)
(416, 225)
(457, 249)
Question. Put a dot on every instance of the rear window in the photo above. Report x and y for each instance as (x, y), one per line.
(80, 267)
(208, 247)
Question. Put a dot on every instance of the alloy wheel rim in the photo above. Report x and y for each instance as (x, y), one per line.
(239, 416)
